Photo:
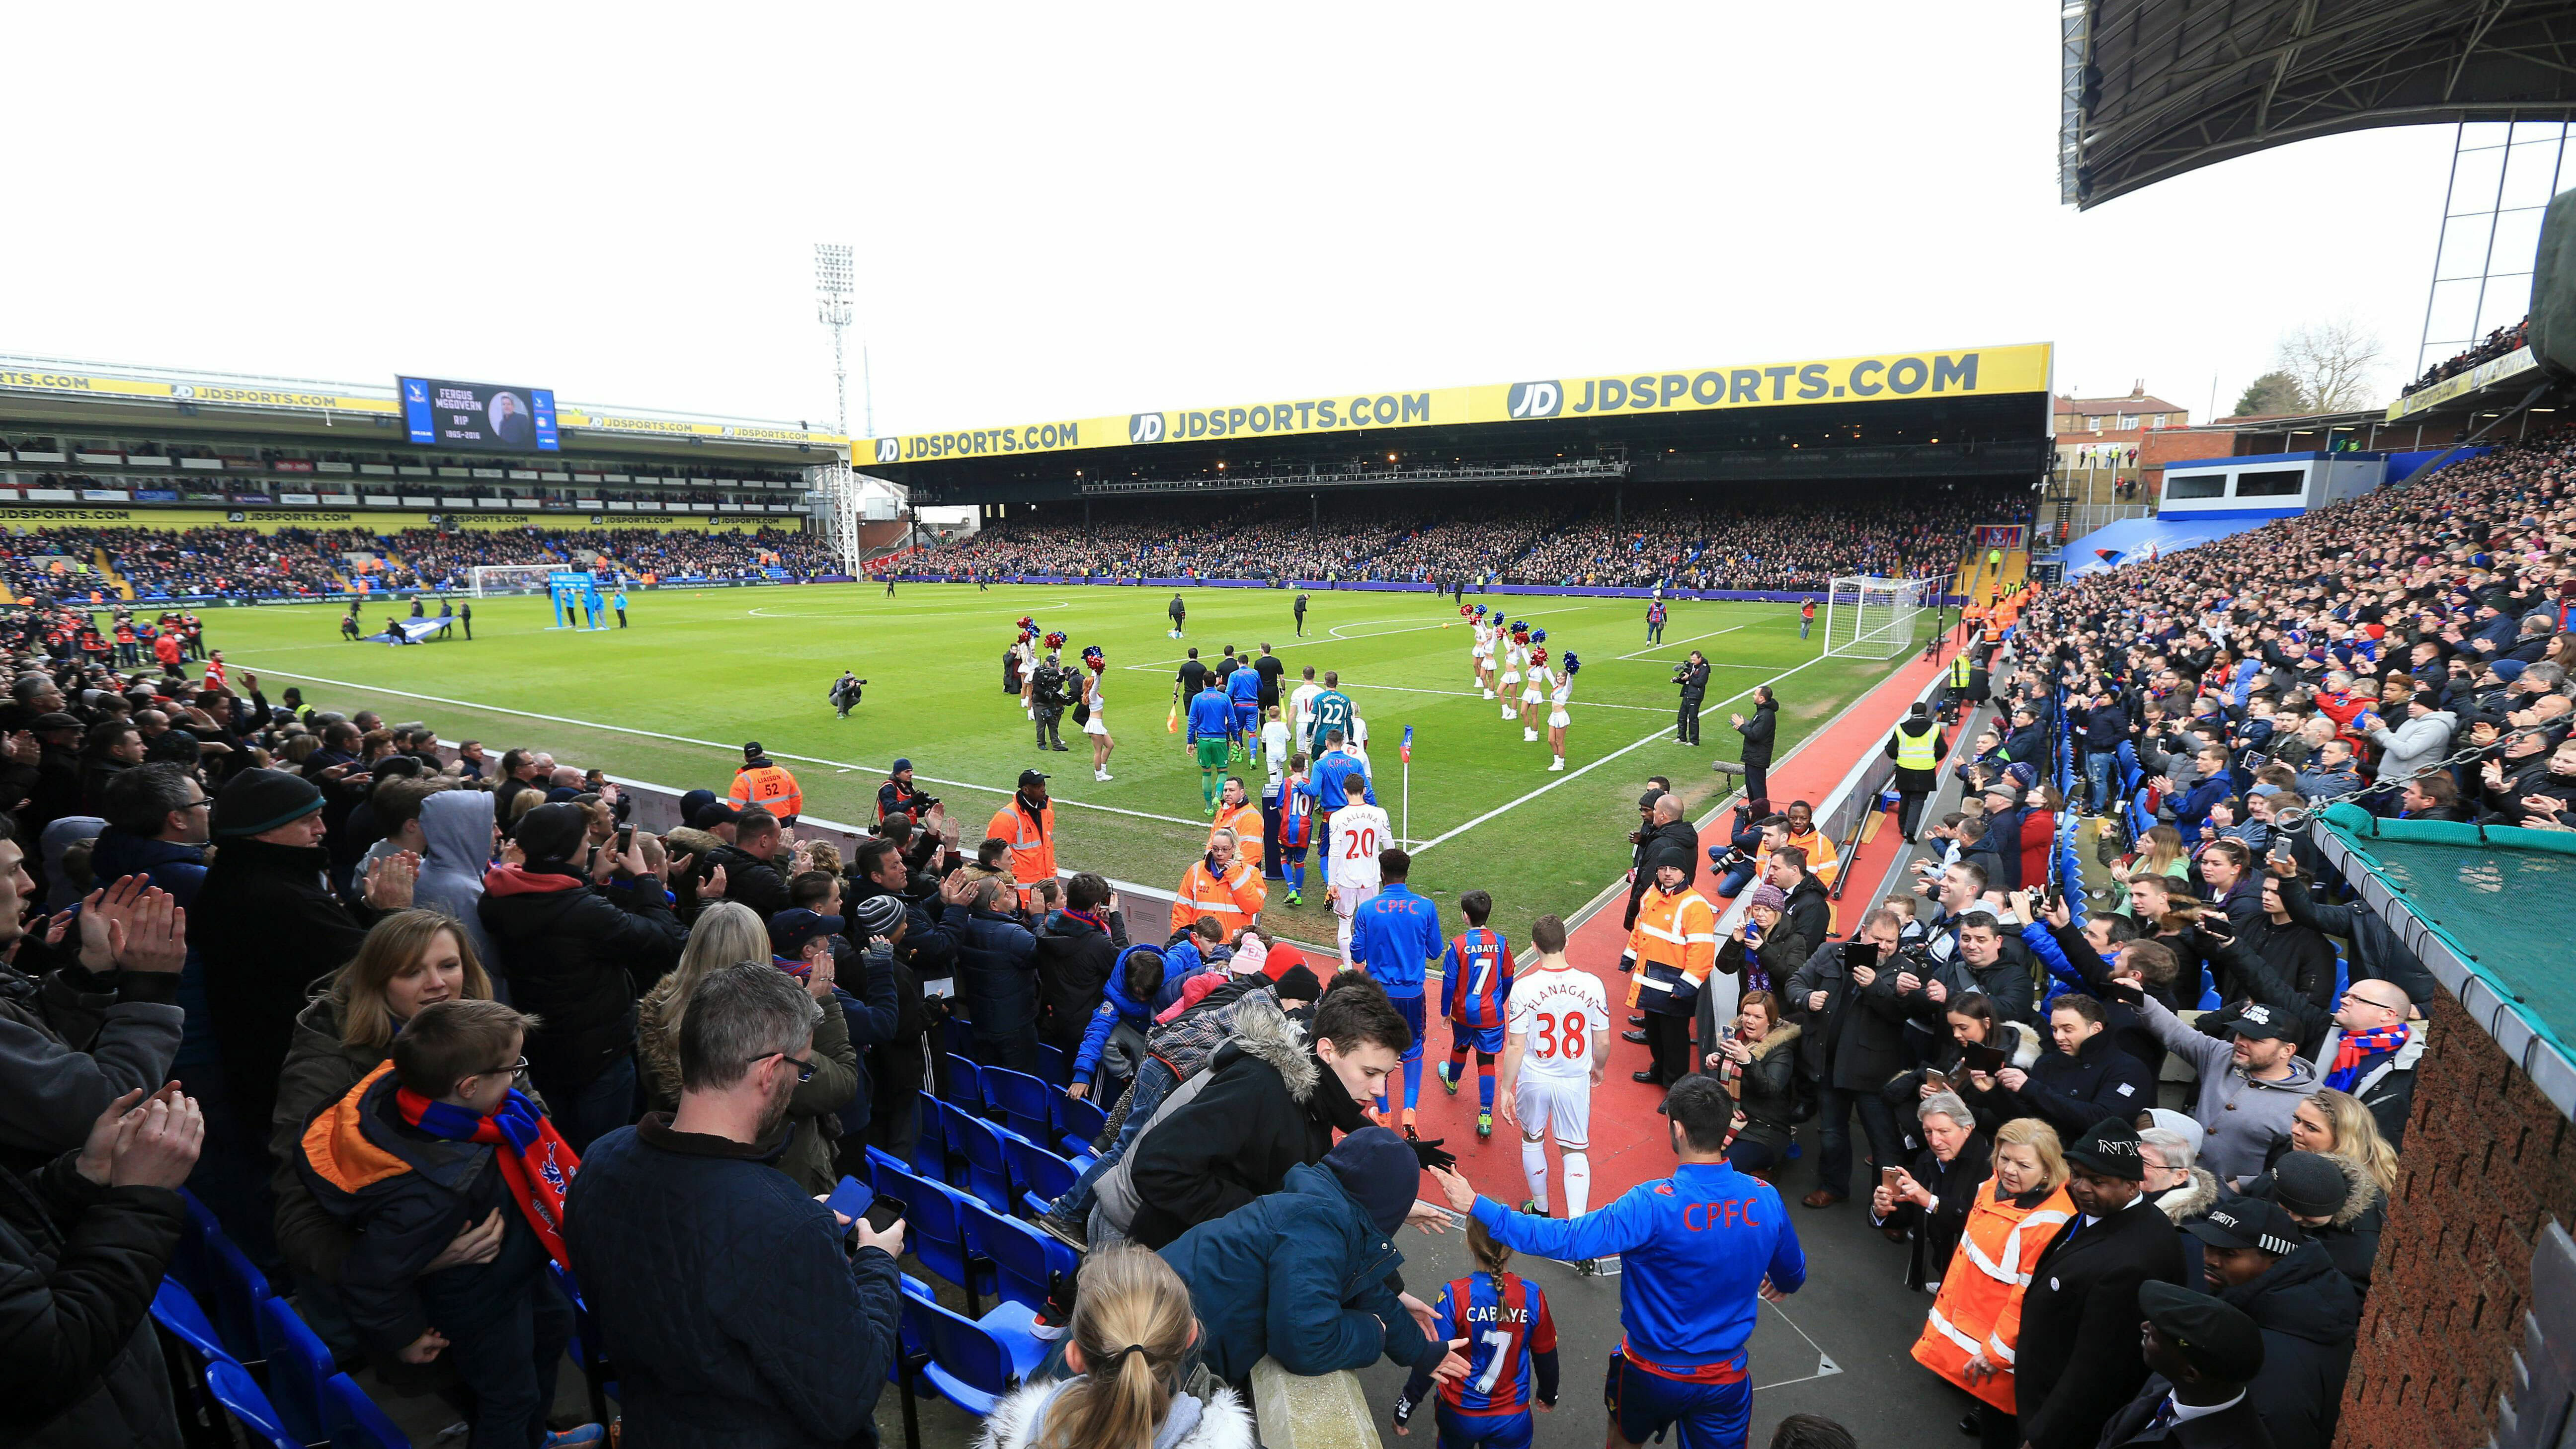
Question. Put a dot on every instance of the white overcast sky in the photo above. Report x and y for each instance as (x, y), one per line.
(1070, 211)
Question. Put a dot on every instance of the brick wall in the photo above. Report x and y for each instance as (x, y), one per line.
(2488, 1161)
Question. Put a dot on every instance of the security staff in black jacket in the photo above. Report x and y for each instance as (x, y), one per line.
(1854, 1040)
(2077, 1360)
(2087, 1077)
(1692, 676)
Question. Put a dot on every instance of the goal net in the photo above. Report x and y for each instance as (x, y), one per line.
(1867, 617)
(490, 579)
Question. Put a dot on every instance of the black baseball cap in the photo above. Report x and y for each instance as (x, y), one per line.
(1033, 777)
(2111, 1149)
(2258, 1022)
(2248, 1222)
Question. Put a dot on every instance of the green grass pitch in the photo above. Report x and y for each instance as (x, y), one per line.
(671, 699)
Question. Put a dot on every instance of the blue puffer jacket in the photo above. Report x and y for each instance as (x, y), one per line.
(752, 1330)
(996, 968)
(1303, 1276)
(1117, 1006)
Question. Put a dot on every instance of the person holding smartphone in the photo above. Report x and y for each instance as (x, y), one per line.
(1852, 1040)
(731, 1241)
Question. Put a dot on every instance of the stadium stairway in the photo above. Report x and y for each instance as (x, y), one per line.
(108, 571)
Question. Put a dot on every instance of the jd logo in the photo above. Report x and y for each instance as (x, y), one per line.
(1536, 399)
(1145, 428)
(889, 450)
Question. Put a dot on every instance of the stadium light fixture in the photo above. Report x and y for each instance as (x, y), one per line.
(835, 283)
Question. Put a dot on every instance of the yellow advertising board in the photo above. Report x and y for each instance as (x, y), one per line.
(17, 517)
(1956, 372)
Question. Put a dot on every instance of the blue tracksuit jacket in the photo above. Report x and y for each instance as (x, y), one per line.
(1693, 1248)
(1395, 935)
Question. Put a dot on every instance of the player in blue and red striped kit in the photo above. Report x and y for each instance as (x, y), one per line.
(1476, 994)
(1511, 1350)
(1699, 1250)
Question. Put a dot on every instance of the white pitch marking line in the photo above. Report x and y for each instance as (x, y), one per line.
(1573, 775)
(1711, 634)
(709, 744)
(1472, 694)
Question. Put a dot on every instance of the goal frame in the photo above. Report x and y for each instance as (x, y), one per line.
(1870, 616)
(489, 580)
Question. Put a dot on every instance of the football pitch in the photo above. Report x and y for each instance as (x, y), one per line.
(671, 700)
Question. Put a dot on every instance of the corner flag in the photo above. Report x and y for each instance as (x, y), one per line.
(1405, 751)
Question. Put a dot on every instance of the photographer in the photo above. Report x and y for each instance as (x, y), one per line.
(1692, 677)
(1050, 695)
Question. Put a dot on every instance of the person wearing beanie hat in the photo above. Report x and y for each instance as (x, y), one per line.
(572, 951)
(266, 927)
(2333, 1200)
(1298, 984)
(878, 918)
(2261, 1263)
(2201, 1355)
(1306, 1275)
(2077, 1358)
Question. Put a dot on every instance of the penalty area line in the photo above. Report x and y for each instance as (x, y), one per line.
(708, 744)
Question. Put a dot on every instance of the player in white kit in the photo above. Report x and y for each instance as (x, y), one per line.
(1360, 830)
(1556, 1053)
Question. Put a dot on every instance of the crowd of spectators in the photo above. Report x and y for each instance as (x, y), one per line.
(302, 562)
(2494, 345)
(1762, 545)
(2406, 652)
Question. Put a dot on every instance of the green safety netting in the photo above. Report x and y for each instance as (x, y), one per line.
(2491, 910)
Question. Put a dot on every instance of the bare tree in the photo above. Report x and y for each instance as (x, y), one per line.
(2332, 362)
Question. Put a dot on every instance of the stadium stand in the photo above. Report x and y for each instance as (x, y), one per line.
(1739, 544)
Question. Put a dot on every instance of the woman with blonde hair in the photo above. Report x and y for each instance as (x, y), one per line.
(2345, 1209)
(409, 960)
(1974, 1328)
(726, 933)
(2159, 852)
(1128, 1346)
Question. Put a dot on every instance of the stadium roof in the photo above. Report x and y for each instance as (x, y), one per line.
(2154, 88)
(1955, 412)
(36, 390)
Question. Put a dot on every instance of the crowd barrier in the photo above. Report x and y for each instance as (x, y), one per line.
(228, 601)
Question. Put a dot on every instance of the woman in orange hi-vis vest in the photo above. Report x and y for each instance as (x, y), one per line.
(1974, 1328)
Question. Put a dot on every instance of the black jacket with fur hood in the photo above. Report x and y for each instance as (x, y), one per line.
(1265, 1104)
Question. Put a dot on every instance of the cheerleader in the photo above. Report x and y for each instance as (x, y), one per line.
(1557, 718)
(1483, 650)
(1092, 724)
(1515, 653)
(1475, 642)
(1534, 687)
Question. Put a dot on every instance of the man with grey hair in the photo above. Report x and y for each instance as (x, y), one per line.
(724, 1293)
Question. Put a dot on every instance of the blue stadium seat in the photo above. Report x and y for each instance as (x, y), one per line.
(239, 1393)
(978, 1145)
(958, 1035)
(1039, 1174)
(298, 1365)
(176, 1309)
(965, 1084)
(1024, 1258)
(975, 1361)
(355, 1421)
(935, 1219)
(929, 1143)
(596, 1373)
(238, 1288)
(1025, 1104)
(1084, 1121)
(1055, 1065)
